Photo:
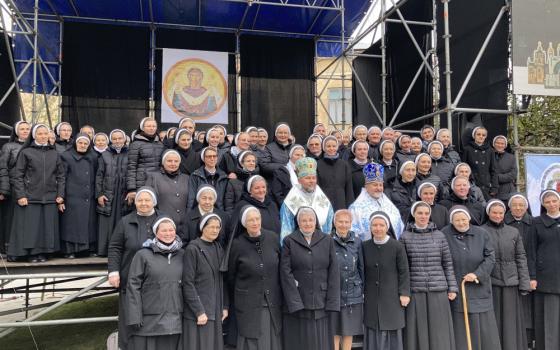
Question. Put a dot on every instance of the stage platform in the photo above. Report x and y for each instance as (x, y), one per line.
(56, 265)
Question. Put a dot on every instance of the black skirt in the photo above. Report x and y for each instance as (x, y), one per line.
(383, 340)
(269, 340)
(6, 216)
(34, 230)
(547, 321)
(484, 332)
(124, 330)
(429, 324)
(308, 329)
(349, 321)
(204, 337)
(509, 317)
(167, 342)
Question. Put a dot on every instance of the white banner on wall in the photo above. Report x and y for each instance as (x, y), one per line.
(194, 85)
(542, 173)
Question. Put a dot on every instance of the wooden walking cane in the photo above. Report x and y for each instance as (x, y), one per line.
(466, 313)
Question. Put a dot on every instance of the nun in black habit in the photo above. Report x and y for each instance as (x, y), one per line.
(510, 277)
(254, 280)
(519, 217)
(78, 221)
(8, 158)
(110, 188)
(154, 302)
(129, 235)
(205, 296)
(386, 286)
(184, 144)
(39, 184)
(546, 240)
(311, 285)
(473, 261)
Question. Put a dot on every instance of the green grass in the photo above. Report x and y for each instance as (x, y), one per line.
(87, 336)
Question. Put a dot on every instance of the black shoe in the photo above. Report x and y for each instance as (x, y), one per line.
(93, 255)
(33, 259)
(69, 256)
(42, 258)
(12, 258)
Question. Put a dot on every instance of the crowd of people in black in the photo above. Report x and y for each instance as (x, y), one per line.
(220, 240)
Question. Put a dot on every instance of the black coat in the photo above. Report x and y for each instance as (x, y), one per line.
(8, 158)
(309, 273)
(79, 219)
(191, 232)
(358, 180)
(110, 178)
(472, 252)
(351, 266)
(452, 155)
(190, 160)
(390, 173)
(506, 174)
(273, 157)
(39, 175)
(546, 242)
(171, 191)
(335, 179)
(154, 297)
(62, 146)
(436, 180)
(280, 185)
(144, 155)
(238, 185)
(220, 182)
(476, 210)
(511, 262)
(525, 228)
(204, 290)
(386, 279)
(254, 279)
(481, 161)
(129, 235)
(403, 195)
(429, 260)
(439, 216)
(270, 215)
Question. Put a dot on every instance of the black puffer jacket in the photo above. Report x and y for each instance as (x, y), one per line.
(39, 175)
(452, 155)
(511, 262)
(443, 168)
(8, 158)
(273, 157)
(481, 160)
(109, 181)
(506, 174)
(429, 259)
(144, 155)
(220, 182)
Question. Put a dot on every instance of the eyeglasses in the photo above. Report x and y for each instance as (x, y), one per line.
(211, 156)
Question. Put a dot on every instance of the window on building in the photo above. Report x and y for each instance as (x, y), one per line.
(335, 105)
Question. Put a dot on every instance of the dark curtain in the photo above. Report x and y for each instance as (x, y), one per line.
(368, 69)
(470, 23)
(105, 75)
(9, 110)
(402, 63)
(277, 82)
(204, 41)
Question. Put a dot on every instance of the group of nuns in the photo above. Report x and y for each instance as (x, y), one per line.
(190, 223)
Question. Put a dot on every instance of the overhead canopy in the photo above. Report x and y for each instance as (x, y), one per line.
(285, 17)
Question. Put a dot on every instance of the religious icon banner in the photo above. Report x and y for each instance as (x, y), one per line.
(542, 172)
(194, 85)
(536, 47)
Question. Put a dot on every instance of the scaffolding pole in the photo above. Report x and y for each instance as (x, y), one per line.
(342, 42)
(447, 72)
